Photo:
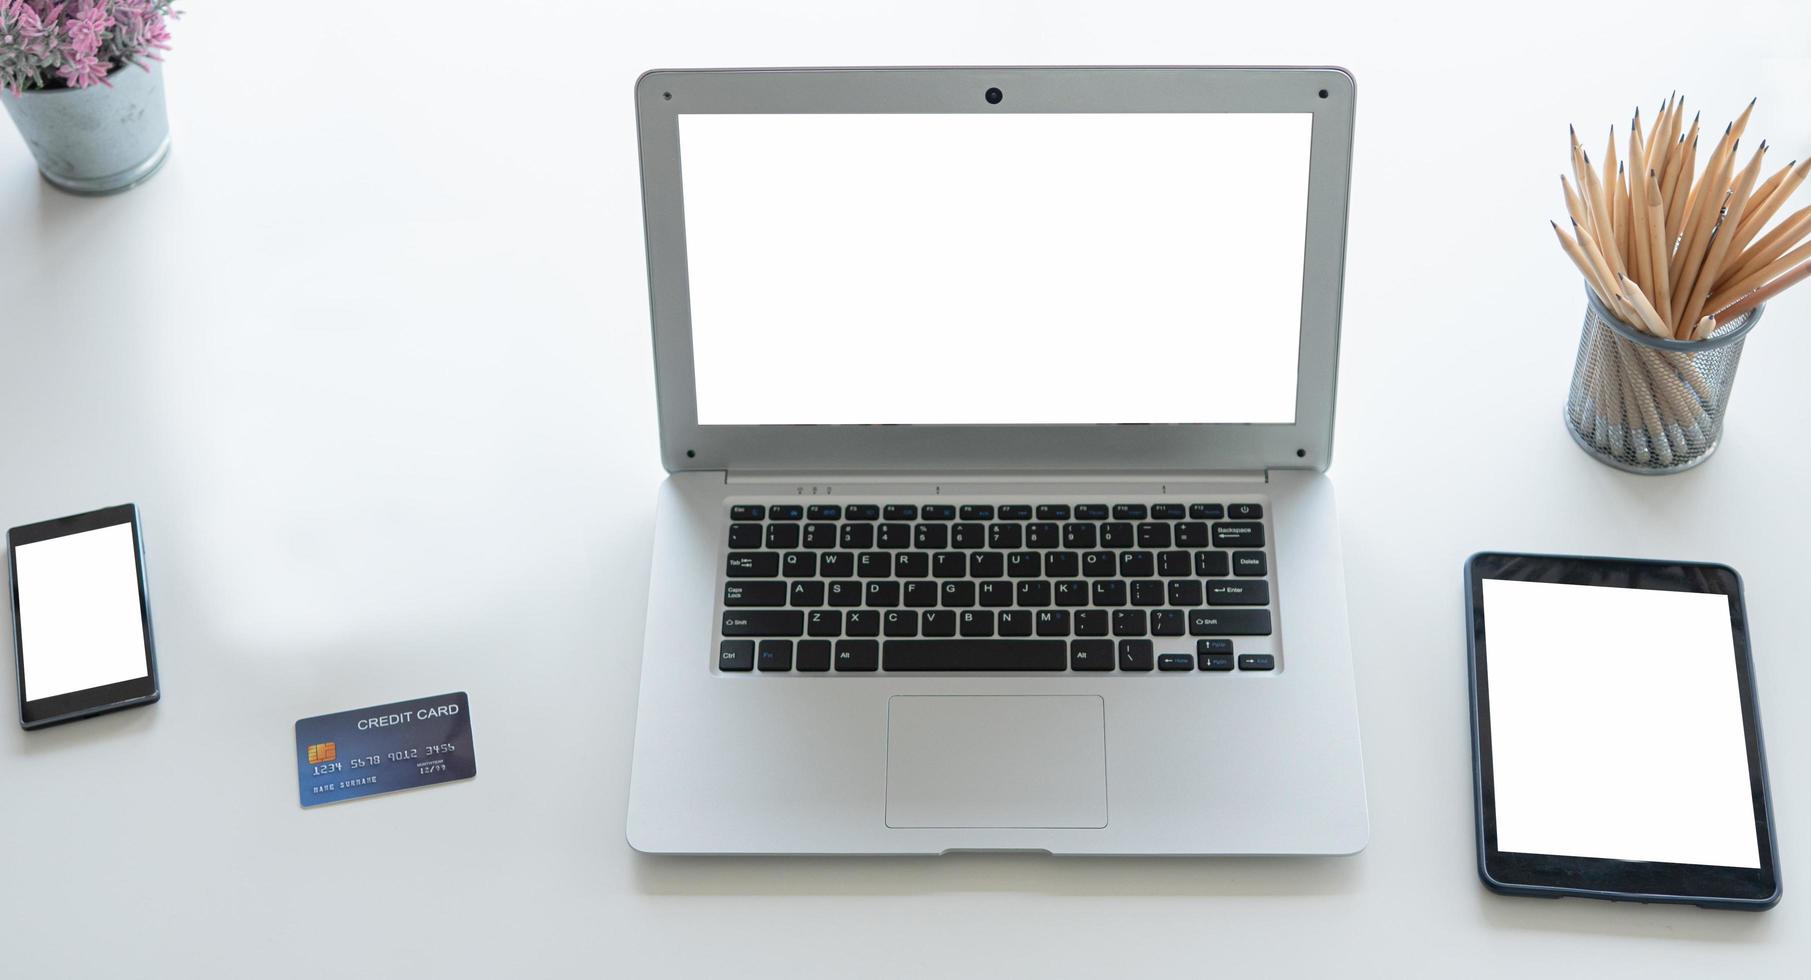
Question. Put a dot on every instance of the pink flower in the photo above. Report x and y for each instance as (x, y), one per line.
(86, 30)
(77, 42)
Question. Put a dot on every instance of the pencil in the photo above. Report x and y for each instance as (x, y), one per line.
(1763, 294)
(1773, 244)
(1727, 295)
(1767, 204)
(1719, 244)
(1656, 229)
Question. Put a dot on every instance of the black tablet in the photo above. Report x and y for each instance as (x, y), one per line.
(1616, 742)
(81, 616)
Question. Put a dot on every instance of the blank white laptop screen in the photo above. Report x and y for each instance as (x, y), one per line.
(980, 268)
(1616, 725)
(80, 621)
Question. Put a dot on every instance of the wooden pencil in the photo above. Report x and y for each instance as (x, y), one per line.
(1763, 294)
(1767, 202)
(1773, 244)
(1660, 289)
(1760, 277)
(1720, 244)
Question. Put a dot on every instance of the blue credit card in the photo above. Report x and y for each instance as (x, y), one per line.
(390, 747)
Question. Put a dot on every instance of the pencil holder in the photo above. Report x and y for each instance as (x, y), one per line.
(1646, 404)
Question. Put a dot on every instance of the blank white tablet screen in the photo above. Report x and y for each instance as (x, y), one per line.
(80, 624)
(1616, 724)
(965, 268)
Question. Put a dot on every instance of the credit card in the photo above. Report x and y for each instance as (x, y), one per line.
(351, 754)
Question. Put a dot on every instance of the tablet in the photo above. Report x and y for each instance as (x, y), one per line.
(81, 616)
(1616, 741)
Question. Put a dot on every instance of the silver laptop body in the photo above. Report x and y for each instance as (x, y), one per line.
(996, 403)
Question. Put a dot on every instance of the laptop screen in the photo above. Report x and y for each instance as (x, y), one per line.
(1008, 269)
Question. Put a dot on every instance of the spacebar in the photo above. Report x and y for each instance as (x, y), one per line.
(974, 655)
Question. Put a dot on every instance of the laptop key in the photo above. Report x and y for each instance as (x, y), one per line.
(765, 622)
(1238, 592)
(1257, 661)
(823, 512)
(859, 622)
(774, 655)
(1214, 661)
(1068, 593)
(1053, 512)
(1090, 654)
(939, 622)
(747, 512)
(995, 594)
(1242, 535)
(745, 535)
(1175, 661)
(949, 564)
(1075, 535)
(912, 564)
(930, 537)
(1015, 622)
(1206, 512)
(857, 654)
(1249, 563)
(782, 536)
(1191, 534)
(798, 564)
(1042, 535)
(937, 512)
(958, 594)
(873, 564)
(1053, 622)
(1023, 564)
(968, 536)
(986, 564)
(820, 536)
(1168, 622)
(1110, 593)
(836, 564)
(1099, 564)
(920, 594)
(977, 622)
(900, 512)
(1090, 512)
(1090, 622)
(893, 537)
(1135, 655)
(973, 654)
(807, 594)
(1005, 537)
(900, 622)
(1128, 512)
(814, 655)
(1210, 564)
(736, 655)
(1153, 534)
(861, 512)
(883, 595)
(858, 536)
(976, 512)
(754, 593)
(1147, 592)
(1015, 512)
(786, 512)
(753, 564)
(1244, 512)
(1168, 512)
(1185, 592)
(1034, 594)
(1137, 564)
(846, 593)
(1130, 622)
(1229, 622)
(1062, 564)
(1116, 534)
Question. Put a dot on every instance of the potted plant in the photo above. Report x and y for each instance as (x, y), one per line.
(82, 80)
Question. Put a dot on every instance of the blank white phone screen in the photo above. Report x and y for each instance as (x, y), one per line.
(80, 624)
(1616, 724)
(969, 268)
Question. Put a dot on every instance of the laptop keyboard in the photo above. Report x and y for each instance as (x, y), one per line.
(942, 587)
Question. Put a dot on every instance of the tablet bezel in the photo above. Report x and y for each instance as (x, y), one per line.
(95, 700)
(1645, 881)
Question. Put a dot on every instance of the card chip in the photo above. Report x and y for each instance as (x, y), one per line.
(321, 752)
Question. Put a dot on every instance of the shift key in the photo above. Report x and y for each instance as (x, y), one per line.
(1229, 622)
(764, 622)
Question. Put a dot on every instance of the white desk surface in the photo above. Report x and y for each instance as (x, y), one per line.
(372, 356)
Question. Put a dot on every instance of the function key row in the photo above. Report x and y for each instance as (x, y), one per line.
(986, 512)
(998, 536)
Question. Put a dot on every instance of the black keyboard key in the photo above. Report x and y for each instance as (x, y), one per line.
(1128, 512)
(893, 537)
(823, 512)
(954, 655)
(1175, 661)
(805, 594)
(1090, 654)
(1191, 534)
(976, 623)
(823, 622)
(798, 564)
(1053, 512)
(1153, 534)
(1043, 535)
(1244, 535)
(1100, 564)
(1062, 564)
(1077, 535)
(754, 593)
(1209, 564)
(1015, 622)
(912, 564)
(1005, 537)
(820, 536)
(814, 655)
(753, 564)
(986, 564)
(1116, 534)
(1109, 593)
(745, 535)
(1090, 512)
(949, 564)
(900, 512)
(937, 512)
(1238, 592)
(1072, 593)
(1137, 564)
(1186, 592)
(782, 536)
(1213, 646)
(1244, 512)
(857, 654)
(900, 622)
(994, 595)
(1135, 655)
(1053, 622)
(858, 536)
(1168, 512)
(774, 655)
(1034, 594)
(1130, 622)
(939, 622)
(1147, 592)
(1206, 512)
(1168, 622)
(786, 512)
(929, 537)
(1249, 563)
(920, 594)
(861, 512)
(736, 655)
(836, 564)
(1023, 564)
(845, 593)
(873, 564)
(1229, 622)
(1257, 661)
(968, 536)
(747, 512)
(976, 512)
(859, 622)
(764, 622)
(1015, 512)
(958, 595)
(882, 595)
(1214, 661)
(1174, 564)
(1090, 622)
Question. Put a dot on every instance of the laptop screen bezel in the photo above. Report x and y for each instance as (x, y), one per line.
(1325, 93)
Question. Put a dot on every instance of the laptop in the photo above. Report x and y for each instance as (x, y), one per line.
(996, 404)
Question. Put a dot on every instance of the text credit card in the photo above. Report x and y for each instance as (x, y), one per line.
(391, 747)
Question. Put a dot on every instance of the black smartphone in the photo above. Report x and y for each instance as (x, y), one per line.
(81, 616)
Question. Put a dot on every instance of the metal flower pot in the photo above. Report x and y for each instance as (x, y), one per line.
(97, 140)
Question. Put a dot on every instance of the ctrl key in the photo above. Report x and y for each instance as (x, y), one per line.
(736, 655)
(1257, 661)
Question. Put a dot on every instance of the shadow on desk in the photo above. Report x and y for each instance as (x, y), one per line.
(778, 876)
(1591, 917)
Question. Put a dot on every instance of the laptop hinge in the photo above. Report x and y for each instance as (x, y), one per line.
(823, 484)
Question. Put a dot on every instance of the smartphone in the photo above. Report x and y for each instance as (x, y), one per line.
(81, 616)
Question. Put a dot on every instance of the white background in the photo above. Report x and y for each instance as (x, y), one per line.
(79, 612)
(1616, 724)
(982, 268)
(372, 355)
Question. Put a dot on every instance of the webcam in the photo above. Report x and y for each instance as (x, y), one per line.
(993, 96)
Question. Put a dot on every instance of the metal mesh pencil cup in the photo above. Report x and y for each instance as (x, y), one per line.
(1646, 404)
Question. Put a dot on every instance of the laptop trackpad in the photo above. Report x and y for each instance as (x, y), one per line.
(996, 761)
